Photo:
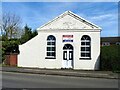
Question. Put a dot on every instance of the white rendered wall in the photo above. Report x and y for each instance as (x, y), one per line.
(93, 63)
(33, 53)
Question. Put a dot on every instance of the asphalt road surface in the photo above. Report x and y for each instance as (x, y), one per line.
(25, 80)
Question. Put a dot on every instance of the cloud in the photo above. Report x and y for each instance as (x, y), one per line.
(107, 21)
(104, 17)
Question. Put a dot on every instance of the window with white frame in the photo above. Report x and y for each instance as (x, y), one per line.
(85, 47)
(105, 43)
(117, 43)
(51, 47)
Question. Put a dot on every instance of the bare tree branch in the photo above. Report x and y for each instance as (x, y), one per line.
(10, 24)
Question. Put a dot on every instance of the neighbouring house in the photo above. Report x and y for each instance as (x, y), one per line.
(68, 41)
(107, 41)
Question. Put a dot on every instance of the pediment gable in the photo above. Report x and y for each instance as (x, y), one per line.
(69, 20)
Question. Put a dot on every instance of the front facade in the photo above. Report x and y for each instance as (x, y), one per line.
(68, 41)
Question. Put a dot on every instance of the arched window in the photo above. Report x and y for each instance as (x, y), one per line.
(51, 47)
(85, 47)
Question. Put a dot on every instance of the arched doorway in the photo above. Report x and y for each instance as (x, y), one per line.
(67, 56)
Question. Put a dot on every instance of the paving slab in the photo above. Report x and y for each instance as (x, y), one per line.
(76, 73)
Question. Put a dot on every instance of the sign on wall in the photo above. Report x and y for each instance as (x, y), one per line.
(67, 38)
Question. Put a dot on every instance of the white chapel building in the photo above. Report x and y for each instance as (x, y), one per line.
(68, 41)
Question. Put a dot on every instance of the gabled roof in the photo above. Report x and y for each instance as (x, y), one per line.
(74, 16)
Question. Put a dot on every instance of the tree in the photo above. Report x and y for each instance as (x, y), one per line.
(27, 35)
(10, 30)
(10, 25)
(34, 33)
(0, 38)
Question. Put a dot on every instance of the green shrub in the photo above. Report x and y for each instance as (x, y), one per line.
(110, 58)
(9, 46)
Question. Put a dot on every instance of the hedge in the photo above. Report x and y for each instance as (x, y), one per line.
(110, 58)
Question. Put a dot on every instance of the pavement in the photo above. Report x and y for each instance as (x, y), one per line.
(63, 72)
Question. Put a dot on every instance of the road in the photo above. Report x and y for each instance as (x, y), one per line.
(25, 80)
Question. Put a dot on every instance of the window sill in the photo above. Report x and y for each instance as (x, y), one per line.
(50, 58)
(85, 58)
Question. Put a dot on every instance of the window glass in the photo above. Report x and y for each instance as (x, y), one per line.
(117, 43)
(85, 47)
(82, 54)
(51, 47)
(87, 43)
(87, 54)
(50, 53)
(65, 55)
(82, 48)
(70, 55)
(50, 43)
(82, 43)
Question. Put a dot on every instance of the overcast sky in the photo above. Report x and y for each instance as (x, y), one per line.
(103, 14)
